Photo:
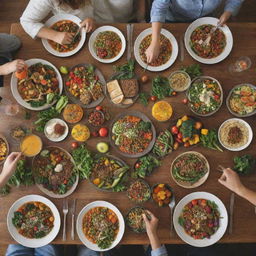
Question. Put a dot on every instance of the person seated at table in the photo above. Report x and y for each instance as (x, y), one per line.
(151, 227)
(184, 11)
(231, 180)
(107, 11)
(8, 45)
(9, 167)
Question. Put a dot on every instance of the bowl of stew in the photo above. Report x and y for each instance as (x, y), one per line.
(219, 46)
(65, 23)
(33, 221)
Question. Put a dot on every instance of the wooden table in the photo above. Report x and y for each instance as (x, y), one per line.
(244, 228)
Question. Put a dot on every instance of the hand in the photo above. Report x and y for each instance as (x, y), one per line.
(63, 38)
(10, 165)
(224, 18)
(151, 224)
(231, 180)
(153, 52)
(16, 65)
(88, 24)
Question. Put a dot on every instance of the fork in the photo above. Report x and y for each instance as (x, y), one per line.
(172, 205)
(65, 212)
(220, 168)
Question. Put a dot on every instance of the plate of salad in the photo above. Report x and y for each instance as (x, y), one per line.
(219, 46)
(132, 134)
(205, 96)
(54, 172)
(190, 169)
(100, 226)
(108, 173)
(40, 87)
(33, 221)
(85, 85)
(139, 191)
(241, 101)
(200, 219)
(65, 23)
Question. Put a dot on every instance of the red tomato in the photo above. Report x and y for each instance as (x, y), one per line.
(68, 83)
(153, 98)
(35, 228)
(175, 130)
(185, 101)
(103, 132)
(194, 202)
(216, 97)
(186, 144)
(65, 182)
(178, 140)
(72, 74)
(137, 165)
(179, 135)
(74, 144)
(174, 93)
(58, 159)
(99, 108)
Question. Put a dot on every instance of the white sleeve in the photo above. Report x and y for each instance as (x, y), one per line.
(34, 13)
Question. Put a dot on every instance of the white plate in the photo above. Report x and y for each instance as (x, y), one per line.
(79, 225)
(14, 87)
(223, 220)
(93, 38)
(33, 243)
(173, 57)
(55, 19)
(60, 138)
(249, 138)
(211, 21)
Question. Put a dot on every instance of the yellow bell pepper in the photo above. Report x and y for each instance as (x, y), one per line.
(179, 123)
(204, 131)
(184, 118)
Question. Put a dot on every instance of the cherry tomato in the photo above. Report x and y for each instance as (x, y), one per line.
(186, 144)
(216, 97)
(178, 140)
(144, 79)
(137, 165)
(174, 93)
(35, 228)
(68, 83)
(99, 108)
(175, 130)
(185, 101)
(153, 98)
(58, 159)
(179, 135)
(65, 182)
(103, 132)
(74, 144)
(194, 202)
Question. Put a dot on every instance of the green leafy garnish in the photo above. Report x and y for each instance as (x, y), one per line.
(211, 140)
(244, 164)
(125, 71)
(161, 87)
(143, 98)
(193, 70)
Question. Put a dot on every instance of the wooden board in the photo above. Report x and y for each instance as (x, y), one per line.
(244, 229)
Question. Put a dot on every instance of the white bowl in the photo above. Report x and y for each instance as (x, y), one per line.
(249, 137)
(223, 221)
(60, 138)
(33, 243)
(79, 225)
(14, 87)
(55, 19)
(211, 21)
(93, 38)
(174, 54)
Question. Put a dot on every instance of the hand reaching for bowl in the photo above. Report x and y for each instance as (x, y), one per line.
(63, 38)
(224, 18)
(88, 24)
(152, 52)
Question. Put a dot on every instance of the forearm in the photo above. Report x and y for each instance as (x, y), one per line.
(4, 69)
(3, 180)
(47, 33)
(247, 194)
(154, 241)
(156, 29)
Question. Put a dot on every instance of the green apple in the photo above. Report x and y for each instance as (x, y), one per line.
(64, 70)
(102, 147)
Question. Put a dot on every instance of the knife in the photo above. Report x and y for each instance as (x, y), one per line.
(231, 213)
(73, 211)
(128, 31)
(181, 48)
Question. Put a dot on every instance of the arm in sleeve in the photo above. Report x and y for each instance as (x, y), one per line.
(233, 6)
(34, 13)
(161, 251)
(159, 10)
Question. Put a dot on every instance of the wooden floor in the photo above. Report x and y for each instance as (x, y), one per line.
(11, 10)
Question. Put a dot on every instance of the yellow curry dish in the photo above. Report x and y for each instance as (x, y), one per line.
(31, 145)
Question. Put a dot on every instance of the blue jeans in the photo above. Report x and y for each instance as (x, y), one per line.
(84, 251)
(20, 250)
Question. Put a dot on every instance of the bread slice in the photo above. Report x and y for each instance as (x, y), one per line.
(112, 85)
(127, 101)
(118, 99)
(117, 92)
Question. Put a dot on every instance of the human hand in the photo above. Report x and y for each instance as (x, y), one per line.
(231, 180)
(152, 52)
(151, 224)
(224, 18)
(10, 164)
(63, 38)
(15, 65)
(88, 24)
